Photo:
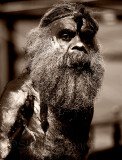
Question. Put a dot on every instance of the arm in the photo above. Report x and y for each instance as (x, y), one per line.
(15, 104)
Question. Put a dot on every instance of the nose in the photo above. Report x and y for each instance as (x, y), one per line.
(77, 45)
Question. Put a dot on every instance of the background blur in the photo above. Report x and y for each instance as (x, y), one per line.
(17, 18)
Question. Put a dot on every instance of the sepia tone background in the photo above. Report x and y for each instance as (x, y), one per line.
(18, 17)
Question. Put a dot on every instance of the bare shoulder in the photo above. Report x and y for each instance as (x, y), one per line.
(16, 91)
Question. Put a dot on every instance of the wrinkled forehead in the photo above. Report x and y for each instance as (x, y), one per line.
(73, 24)
(64, 23)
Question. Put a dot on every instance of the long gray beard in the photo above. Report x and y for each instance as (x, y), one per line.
(64, 87)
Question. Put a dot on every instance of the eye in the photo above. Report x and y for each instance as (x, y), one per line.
(66, 37)
(87, 36)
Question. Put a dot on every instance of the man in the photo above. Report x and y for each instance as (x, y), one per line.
(47, 111)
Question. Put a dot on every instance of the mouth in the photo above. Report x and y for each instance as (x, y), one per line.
(80, 66)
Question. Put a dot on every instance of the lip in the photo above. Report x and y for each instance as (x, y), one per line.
(80, 66)
(77, 65)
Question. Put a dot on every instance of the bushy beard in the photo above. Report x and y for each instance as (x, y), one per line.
(67, 82)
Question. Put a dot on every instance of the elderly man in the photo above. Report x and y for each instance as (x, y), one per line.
(47, 111)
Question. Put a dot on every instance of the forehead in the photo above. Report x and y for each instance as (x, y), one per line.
(70, 24)
(64, 23)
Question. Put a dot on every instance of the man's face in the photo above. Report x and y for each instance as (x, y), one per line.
(67, 66)
(73, 38)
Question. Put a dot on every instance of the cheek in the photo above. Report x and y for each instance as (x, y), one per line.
(63, 46)
(60, 45)
(95, 45)
(55, 43)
